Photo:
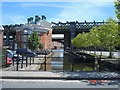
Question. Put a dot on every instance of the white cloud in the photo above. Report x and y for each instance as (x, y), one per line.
(83, 11)
(24, 5)
(79, 11)
(18, 19)
(95, 3)
(13, 19)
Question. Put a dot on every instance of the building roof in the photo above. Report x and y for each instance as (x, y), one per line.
(1, 27)
(32, 27)
(46, 24)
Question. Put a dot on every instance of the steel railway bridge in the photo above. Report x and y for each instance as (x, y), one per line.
(69, 29)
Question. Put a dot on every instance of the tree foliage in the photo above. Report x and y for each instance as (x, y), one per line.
(105, 35)
(34, 41)
(109, 33)
(117, 6)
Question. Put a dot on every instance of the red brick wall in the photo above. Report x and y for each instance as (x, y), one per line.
(18, 38)
(43, 38)
(50, 39)
(46, 39)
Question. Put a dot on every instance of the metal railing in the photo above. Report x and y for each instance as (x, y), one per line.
(42, 62)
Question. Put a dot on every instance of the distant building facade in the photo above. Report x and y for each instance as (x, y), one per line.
(42, 27)
(56, 45)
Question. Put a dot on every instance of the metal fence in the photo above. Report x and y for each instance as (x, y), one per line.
(43, 63)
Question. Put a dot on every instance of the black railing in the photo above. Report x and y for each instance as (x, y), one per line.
(28, 61)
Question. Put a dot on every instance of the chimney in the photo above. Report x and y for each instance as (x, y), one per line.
(37, 19)
(43, 17)
(28, 20)
(31, 19)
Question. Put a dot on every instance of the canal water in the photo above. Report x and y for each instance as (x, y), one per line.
(66, 62)
(57, 60)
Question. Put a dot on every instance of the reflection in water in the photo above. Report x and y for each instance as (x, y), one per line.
(66, 62)
(57, 63)
(76, 65)
(61, 61)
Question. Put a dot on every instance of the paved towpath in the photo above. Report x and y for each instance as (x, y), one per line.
(59, 75)
(106, 53)
(70, 84)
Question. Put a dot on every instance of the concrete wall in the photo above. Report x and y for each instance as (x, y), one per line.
(1, 44)
(1, 39)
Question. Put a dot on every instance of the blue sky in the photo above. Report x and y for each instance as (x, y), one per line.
(18, 12)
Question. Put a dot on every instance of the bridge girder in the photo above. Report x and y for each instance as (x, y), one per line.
(79, 26)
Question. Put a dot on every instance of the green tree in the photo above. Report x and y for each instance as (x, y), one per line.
(105, 35)
(117, 6)
(85, 40)
(34, 41)
(75, 42)
(117, 10)
(93, 38)
(108, 35)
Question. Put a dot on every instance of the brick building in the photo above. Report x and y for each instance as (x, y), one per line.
(43, 28)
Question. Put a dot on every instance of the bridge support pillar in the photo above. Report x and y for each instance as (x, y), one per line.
(72, 36)
(72, 33)
(7, 39)
(66, 40)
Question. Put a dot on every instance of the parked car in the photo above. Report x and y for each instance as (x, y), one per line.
(26, 52)
(12, 54)
(9, 61)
